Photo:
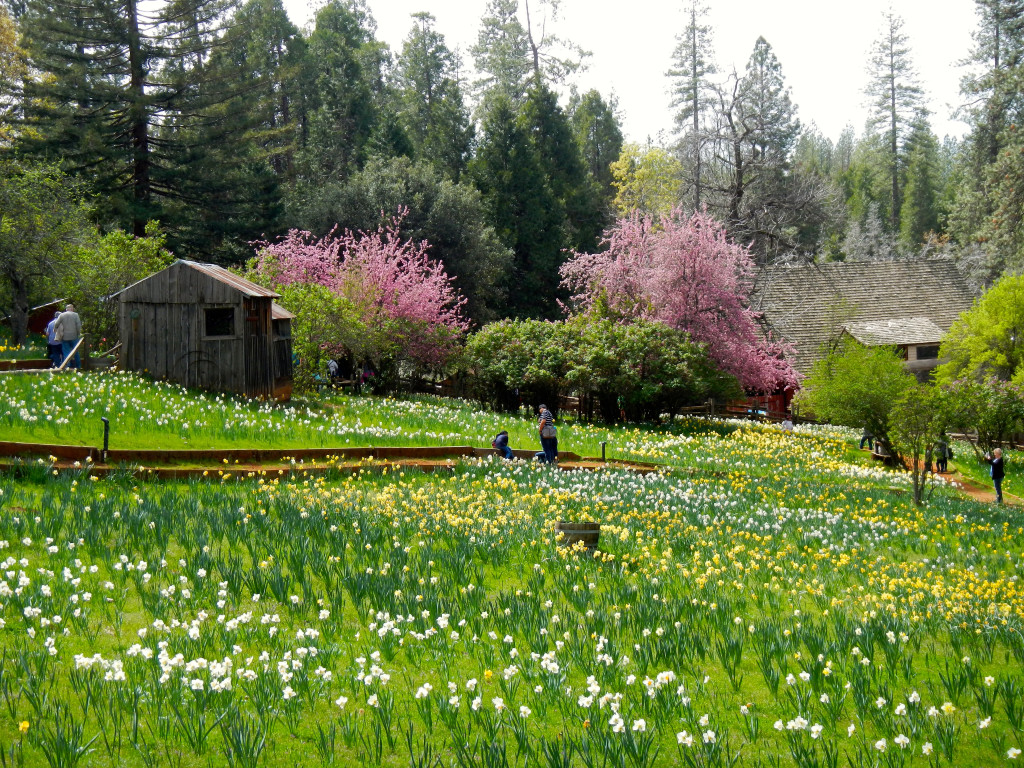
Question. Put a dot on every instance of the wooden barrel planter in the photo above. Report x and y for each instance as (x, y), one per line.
(573, 533)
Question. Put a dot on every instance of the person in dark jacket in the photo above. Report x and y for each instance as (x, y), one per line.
(942, 454)
(995, 461)
(500, 442)
(867, 437)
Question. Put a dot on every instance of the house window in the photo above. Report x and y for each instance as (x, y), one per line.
(220, 321)
(928, 352)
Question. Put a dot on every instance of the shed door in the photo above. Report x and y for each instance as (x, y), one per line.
(258, 372)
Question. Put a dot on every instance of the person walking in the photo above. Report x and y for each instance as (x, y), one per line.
(995, 460)
(548, 435)
(54, 348)
(942, 454)
(69, 327)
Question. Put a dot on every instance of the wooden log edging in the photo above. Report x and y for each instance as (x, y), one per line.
(256, 455)
(225, 472)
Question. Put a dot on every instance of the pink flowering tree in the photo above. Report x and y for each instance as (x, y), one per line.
(389, 301)
(684, 272)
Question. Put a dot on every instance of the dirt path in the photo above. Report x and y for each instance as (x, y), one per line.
(983, 493)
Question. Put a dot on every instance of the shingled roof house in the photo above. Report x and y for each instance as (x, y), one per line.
(906, 304)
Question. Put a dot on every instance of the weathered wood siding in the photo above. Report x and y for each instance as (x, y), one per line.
(163, 333)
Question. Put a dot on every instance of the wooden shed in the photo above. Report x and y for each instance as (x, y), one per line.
(204, 327)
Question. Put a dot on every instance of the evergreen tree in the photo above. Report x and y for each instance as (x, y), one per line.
(501, 53)
(432, 109)
(511, 55)
(694, 94)
(761, 201)
(522, 209)
(264, 53)
(13, 70)
(922, 191)
(896, 98)
(577, 200)
(995, 105)
(865, 182)
(120, 86)
(343, 111)
(595, 125)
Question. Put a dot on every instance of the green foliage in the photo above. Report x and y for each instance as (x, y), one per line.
(647, 179)
(326, 326)
(858, 387)
(919, 417)
(923, 188)
(433, 114)
(13, 66)
(517, 361)
(896, 100)
(992, 410)
(450, 216)
(100, 269)
(342, 110)
(643, 368)
(595, 124)
(988, 339)
(122, 95)
(44, 220)
(522, 208)
(576, 197)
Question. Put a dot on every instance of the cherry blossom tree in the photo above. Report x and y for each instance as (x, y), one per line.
(684, 272)
(405, 304)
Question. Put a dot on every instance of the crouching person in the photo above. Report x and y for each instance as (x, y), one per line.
(500, 443)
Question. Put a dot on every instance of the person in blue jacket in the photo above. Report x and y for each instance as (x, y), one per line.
(500, 442)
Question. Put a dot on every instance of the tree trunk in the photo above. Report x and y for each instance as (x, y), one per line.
(893, 142)
(19, 311)
(141, 186)
(695, 95)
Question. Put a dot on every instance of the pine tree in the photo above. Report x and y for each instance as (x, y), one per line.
(521, 208)
(761, 202)
(595, 125)
(501, 53)
(694, 93)
(896, 100)
(120, 86)
(343, 112)
(995, 105)
(432, 109)
(577, 201)
(922, 191)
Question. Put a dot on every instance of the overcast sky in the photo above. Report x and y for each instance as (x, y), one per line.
(823, 47)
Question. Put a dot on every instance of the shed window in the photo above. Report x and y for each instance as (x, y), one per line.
(928, 352)
(220, 321)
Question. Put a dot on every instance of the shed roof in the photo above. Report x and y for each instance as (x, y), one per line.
(247, 288)
(240, 284)
(899, 331)
(809, 305)
(277, 312)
